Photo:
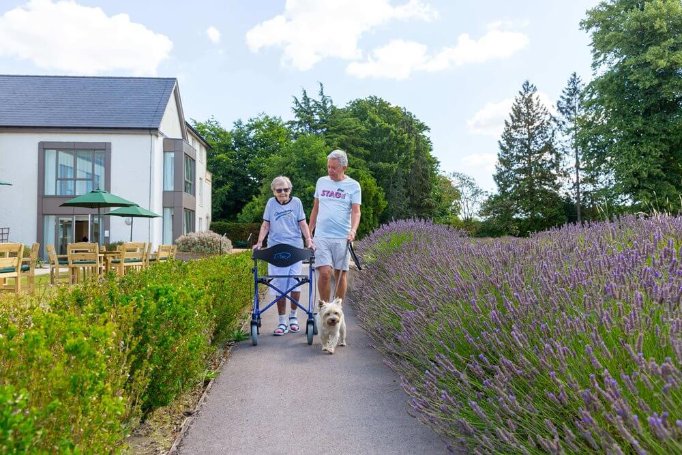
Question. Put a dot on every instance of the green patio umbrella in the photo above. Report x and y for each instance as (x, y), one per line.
(133, 211)
(5, 183)
(96, 199)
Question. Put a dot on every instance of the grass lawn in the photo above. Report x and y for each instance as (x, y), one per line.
(42, 282)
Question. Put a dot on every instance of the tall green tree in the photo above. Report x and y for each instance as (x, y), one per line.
(447, 198)
(303, 161)
(222, 162)
(569, 121)
(637, 56)
(255, 143)
(396, 150)
(529, 167)
(600, 194)
(237, 159)
(471, 196)
(311, 116)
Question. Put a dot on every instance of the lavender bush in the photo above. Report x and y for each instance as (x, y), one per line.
(567, 342)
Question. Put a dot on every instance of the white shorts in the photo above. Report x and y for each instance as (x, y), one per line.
(284, 283)
(332, 252)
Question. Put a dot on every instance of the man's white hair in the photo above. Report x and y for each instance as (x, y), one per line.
(340, 156)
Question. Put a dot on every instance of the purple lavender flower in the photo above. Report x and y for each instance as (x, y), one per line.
(531, 330)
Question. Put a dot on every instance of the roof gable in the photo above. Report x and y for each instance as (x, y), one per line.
(83, 102)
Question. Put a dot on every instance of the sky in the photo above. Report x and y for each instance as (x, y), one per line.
(456, 65)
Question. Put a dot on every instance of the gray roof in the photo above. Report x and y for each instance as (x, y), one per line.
(83, 102)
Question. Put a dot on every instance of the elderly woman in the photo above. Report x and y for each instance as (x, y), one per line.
(284, 222)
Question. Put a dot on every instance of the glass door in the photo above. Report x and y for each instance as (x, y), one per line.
(64, 233)
(82, 229)
(62, 230)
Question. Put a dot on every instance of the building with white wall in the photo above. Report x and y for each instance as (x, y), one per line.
(62, 136)
(203, 180)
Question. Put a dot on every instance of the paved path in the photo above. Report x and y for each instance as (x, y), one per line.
(286, 397)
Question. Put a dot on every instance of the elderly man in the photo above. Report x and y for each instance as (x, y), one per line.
(334, 219)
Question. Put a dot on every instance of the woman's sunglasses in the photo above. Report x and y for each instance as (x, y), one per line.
(283, 190)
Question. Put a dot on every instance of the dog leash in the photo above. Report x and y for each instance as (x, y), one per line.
(354, 256)
(356, 260)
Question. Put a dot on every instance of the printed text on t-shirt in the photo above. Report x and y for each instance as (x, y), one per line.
(279, 215)
(338, 194)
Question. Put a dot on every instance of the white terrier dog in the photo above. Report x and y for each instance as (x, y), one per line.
(333, 325)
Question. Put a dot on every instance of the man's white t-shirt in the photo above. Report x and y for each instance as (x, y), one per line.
(335, 200)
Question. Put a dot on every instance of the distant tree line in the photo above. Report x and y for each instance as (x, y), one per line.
(390, 154)
(614, 145)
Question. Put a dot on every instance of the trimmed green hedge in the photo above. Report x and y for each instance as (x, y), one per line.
(238, 233)
(79, 371)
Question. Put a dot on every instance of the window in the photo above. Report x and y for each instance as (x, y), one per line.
(73, 172)
(168, 171)
(168, 225)
(189, 175)
(201, 225)
(201, 192)
(188, 224)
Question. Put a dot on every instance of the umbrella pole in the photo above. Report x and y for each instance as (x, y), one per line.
(99, 236)
(131, 228)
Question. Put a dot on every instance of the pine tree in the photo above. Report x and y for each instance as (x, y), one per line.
(571, 110)
(528, 171)
(311, 115)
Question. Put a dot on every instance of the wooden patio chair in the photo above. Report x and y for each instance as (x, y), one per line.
(59, 266)
(83, 257)
(162, 254)
(147, 253)
(28, 267)
(131, 255)
(10, 266)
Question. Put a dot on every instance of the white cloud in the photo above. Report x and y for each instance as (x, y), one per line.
(409, 57)
(490, 119)
(480, 161)
(496, 44)
(75, 39)
(310, 30)
(396, 60)
(213, 34)
(480, 166)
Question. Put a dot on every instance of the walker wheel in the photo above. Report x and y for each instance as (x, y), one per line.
(310, 331)
(254, 333)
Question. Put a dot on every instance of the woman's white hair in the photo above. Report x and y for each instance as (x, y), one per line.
(281, 180)
(340, 156)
